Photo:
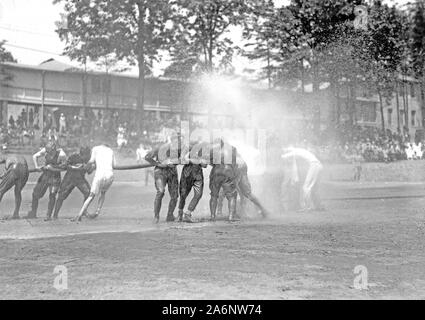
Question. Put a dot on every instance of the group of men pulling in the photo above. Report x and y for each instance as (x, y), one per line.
(77, 165)
(228, 177)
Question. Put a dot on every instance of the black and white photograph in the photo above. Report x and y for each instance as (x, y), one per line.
(236, 151)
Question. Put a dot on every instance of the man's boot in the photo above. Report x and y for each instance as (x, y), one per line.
(180, 217)
(188, 217)
(170, 218)
(213, 208)
(50, 207)
(156, 218)
(232, 209)
(32, 214)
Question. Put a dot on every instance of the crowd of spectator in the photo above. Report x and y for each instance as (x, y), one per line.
(121, 129)
(125, 131)
(370, 145)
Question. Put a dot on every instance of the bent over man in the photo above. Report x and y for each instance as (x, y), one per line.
(103, 157)
(74, 178)
(50, 177)
(310, 197)
(16, 175)
(223, 176)
(243, 185)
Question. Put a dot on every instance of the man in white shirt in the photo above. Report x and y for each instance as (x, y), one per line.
(104, 159)
(310, 199)
(122, 137)
(141, 153)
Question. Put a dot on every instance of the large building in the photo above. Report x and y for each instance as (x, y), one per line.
(54, 87)
(402, 111)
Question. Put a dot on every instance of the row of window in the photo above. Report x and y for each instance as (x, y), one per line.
(413, 120)
(100, 85)
(411, 88)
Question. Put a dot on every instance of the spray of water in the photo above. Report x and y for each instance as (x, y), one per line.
(256, 116)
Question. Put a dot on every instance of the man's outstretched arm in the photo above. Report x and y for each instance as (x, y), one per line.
(37, 155)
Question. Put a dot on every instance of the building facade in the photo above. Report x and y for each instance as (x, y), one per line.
(53, 87)
(402, 112)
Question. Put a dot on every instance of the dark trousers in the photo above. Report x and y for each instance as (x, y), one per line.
(47, 180)
(70, 181)
(223, 177)
(15, 177)
(163, 177)
(243, 187)
(245, 190)
(188, 180)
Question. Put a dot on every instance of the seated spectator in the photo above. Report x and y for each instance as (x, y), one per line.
(417, 149)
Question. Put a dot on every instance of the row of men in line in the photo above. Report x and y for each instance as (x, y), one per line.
(231, 178)
(76, 166)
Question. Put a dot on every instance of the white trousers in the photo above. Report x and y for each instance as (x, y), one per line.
(310, 183)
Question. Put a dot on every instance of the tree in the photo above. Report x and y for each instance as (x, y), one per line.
(418, 39)
(201, 28)
(417, 49)
(259, 32)
(385, 46)
(303, 31)
(5, 77)
(131, 30)
(184, 63)
(5, 56)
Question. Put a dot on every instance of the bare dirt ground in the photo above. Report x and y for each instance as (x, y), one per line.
(289, 256)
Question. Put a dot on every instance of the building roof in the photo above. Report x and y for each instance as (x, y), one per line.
(56, 66)
(48, 65)
(407, 78)
(53, 65)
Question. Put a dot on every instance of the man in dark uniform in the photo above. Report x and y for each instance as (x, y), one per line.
(222, 177)
(50, 177)
(243, 185)
(74, 178)
(191, 177)
(165, 173)
(16, 175)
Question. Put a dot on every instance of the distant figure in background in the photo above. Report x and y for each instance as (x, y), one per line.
(62, 124)
(16, 175)
(410, 153)
(122, 137)
(31, 117)
(11, 122)
(24, 117)
(417, 149)
(141, 153)
(48, 123)
(357, 169)
(310, 198)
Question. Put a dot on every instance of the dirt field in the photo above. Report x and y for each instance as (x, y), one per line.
(290, 256)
